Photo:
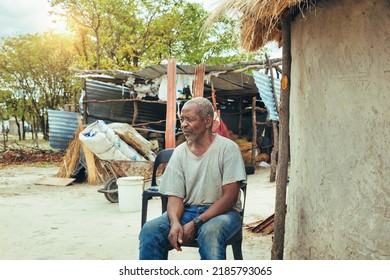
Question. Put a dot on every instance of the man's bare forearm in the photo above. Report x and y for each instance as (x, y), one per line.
(175, 209)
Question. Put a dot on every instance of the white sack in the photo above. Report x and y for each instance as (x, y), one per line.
(106, 145)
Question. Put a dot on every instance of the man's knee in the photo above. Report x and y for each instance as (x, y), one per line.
(148, 228)
(219, 228)
(158, 226)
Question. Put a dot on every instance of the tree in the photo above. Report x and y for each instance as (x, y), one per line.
(35, 69)
(132, 34)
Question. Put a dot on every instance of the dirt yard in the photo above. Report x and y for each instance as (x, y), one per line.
(76, 222)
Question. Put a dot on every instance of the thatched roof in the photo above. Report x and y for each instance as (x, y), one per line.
(259, 19)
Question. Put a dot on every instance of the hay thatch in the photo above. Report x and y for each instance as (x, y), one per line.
(98, 171)
(92, 171)
(258, 20)
(71, 158)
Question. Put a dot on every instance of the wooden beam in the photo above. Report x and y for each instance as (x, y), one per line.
(199, 80)
(282, 168)
(274, 153)
(124, 100)
(170, 141)
(85, 107)
(254, 131)
(266, 227)
(240, 117)
(135, 113)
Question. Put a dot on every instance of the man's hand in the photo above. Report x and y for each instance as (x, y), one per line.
(175, 236)
(189, 232)
(175, 210)
(181, 234)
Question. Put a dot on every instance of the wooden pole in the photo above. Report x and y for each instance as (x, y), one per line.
(170, 141)
(135, 113)
(85, 107)
(3, 130)
(274, 153)
(282, 168)
(240, 117)
(254, 130)
(199, 80)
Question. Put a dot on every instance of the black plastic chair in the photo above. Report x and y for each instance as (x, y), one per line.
(162, 157)
(236, 240)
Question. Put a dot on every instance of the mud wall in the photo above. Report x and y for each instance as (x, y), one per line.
(338, 201)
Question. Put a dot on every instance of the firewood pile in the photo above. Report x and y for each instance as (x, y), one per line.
(246, 149)
(28, 155)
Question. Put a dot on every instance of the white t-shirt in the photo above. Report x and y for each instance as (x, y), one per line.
(199, 179)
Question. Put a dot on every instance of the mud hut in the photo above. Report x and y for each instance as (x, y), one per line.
(338, 197)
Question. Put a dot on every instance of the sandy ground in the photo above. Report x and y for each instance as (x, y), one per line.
(76, 222)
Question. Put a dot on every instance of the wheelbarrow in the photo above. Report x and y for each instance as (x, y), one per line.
(117, 169)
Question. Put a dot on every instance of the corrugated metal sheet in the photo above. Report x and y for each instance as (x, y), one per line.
(96, 90)
(121, 110)
(224, 79)
(62, 126)
(155, 71)
(263, 83)
(229, 86)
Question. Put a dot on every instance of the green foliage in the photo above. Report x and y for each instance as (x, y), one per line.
(128, 35)
(107, 34)
(34, 70)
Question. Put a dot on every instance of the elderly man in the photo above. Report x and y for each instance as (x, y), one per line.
(202, 182)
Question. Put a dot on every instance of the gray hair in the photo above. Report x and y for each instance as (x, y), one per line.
(204, 106)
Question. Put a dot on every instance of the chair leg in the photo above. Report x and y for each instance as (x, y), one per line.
(144, 210)
(237, 250)
(164, 202)
(166, 255)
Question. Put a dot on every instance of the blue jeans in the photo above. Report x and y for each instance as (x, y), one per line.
(212, 235)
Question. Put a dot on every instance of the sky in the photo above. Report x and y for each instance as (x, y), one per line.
(19, 17)
(32, 16)
(24, 16)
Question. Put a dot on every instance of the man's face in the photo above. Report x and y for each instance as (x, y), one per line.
(192, 124)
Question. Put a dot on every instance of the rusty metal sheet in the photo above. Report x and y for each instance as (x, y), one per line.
(130, 168)
(265, 227)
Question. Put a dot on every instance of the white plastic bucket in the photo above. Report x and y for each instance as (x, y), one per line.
(130, 193)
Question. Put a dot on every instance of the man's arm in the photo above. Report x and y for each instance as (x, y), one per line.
(225, 203)
(175, 210)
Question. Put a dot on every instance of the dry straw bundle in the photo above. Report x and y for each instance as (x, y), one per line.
(90, 160)
(259, 20)
(72, 157)
(72, 154)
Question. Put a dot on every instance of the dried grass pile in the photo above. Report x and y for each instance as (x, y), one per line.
(71, 158)
(246, 148)
(92, 163)
(259, 21)
(79, 157)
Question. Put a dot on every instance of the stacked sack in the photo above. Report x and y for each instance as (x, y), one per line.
(116, 141)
